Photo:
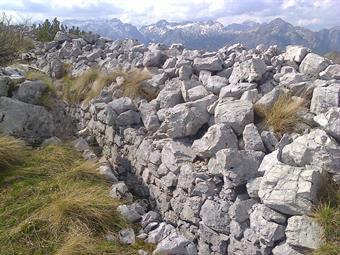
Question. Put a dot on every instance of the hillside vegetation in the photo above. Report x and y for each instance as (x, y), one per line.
(54, 202)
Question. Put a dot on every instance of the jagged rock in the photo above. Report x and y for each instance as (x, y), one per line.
(215, 215)
(218, 137)
(315, 148)
(324, 98)
(215, 83)
(210, 64)
(175, 244)
(161, 232)
(171, 95)
(149, 116)
(284, 249)
(238, 166)
(5, 84)
(90, 38)
(106, 171)
(119, 190)
(121, 105)
(268, 100)
(239, 211)
(51, 141)
(331, 72)
(197, 92)
(128, 118)
(236, 90)
(290, 190)
(304, 233)
(295, 53)
(175, 153)
(186, 119)
(81, 144)
(30, 92)
(95, 55)
(253, 186)
(33, 123)
(251, 95)
(61, 37)
(330, 122)
(313, 64)
(249, 71)
(269, 161)
(236, 114)
(191, 209)
(185, 72)
(56, 69)
(130, 212)
(269, 140)
(150, 217)
(252, 139)
(127, 236)
(154, 59)
(267, 224)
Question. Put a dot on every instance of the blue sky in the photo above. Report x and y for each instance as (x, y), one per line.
(315, 14)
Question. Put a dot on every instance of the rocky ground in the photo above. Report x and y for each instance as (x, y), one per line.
(202, 173)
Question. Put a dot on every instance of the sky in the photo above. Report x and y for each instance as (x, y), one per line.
(313, 14)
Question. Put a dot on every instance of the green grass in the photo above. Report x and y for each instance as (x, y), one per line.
(11, 150)
(54, 202)
(327, 214)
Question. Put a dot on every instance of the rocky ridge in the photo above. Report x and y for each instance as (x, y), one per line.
(210, 179)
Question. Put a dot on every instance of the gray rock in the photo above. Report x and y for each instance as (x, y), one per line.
(252, 139)
(236, 114)
(331, 72)
(249, 71)
(30, 92)
(81, 144)
(264, 222)
(215, 215)
(154, 58)
(330, 122)
(236, 90)
(210, 64)
(303, 233)
(150, 217)
(284, 249)
(316, 148)
(5, 84)
(253, 186)
(119, 190)
(269, 140)
(106, 171)
(268, 100)
(313, 64)
(175, 244)
(51, 141)
(62, 37)
(238, 166)
(186, 119)
(269, 161)
(96, 54)
(128, 118)
(191, 209)
(171, 95)
(56, 69)
(239, 210)
(290, 190)
(149, 116)
(251, 95)
(161, 232)
(90, 38)
(218, 137)
(215, 83)
(185, 72)
(127, 236)
(295, 53)
(121, 105)
(324, 98)
(176, 153)
(130, 213)
(31, 122)
(169, 180)
(197, 92)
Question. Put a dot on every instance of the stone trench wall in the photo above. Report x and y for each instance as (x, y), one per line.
(238, 202)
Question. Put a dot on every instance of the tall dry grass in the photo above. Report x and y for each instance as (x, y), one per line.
(11, 151)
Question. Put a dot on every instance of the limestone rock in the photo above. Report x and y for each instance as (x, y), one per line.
(209, 64)
(175, 244)
(324, 98)
(218, 137)
(295, 53)
(250, 70)
(331, 72)
(127, 236)
(252, 139)
(30, 92)
(313, 64)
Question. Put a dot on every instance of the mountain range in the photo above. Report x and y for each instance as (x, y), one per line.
(211, 35)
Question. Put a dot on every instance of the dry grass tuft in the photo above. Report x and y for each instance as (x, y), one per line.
(283, 116)
(91, 83)
(11, 151)
(37, 75)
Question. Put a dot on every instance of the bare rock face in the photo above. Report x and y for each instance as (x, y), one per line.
(324, 98)
(295, 53)
(249, 71)
(331, 72)
(330, 122)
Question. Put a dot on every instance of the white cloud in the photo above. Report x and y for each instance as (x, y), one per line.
(316, 13)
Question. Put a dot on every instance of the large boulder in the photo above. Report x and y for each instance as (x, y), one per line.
(295, 53)
(249, 71)
(316, 148)
(218, 137)
(175, 244)
(324, 98)
(30, 92)
(290, 190)
(235, 114)
(33, 123)
(5, 84)
(236, 90)
(303, 233)
(313, 64)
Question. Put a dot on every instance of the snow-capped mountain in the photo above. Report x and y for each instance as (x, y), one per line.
(210, 35)
(111, 28)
